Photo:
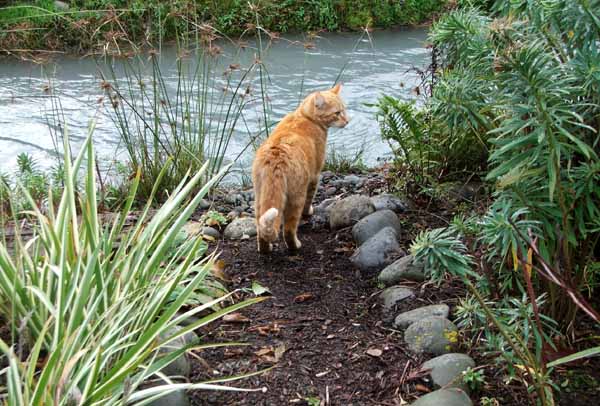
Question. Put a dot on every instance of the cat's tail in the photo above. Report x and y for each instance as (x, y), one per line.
(266, 224)
(271, 200)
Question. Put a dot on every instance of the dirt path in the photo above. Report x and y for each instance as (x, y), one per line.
(320, 323)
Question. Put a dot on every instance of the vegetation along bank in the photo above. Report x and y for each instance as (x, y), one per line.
(85, 25)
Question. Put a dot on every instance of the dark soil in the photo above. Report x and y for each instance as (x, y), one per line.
(317, 331)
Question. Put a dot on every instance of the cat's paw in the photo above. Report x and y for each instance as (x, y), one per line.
(264, 247)
(293, 244)
(309, 212)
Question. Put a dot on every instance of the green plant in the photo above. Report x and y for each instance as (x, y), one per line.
(213, 218)
(527, 80)
(191, 126)
(486, 401)
(425, 147)
(90, 305)
(517, 324)
(473, 378)
(441, 251)
(115, 25)
(344, 163)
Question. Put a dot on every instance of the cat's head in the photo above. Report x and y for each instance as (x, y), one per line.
(326, 107)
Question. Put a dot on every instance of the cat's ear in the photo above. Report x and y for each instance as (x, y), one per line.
(319, 101)
(336, 89)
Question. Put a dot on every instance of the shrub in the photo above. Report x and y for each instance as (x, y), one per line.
(90, 305)
(532, 72)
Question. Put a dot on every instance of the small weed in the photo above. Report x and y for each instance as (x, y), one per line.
(474, 378)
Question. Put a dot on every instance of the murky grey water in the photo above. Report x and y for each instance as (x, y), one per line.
(372, 67)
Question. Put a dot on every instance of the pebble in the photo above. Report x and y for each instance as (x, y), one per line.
(177, 398)
(444, 397)
(240, 227)
(447, 369)
(390, 297)
(389, 202)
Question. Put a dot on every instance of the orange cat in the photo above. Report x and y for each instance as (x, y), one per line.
(286, 169)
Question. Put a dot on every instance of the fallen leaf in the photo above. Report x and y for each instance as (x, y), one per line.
(235, 318)
(279, 351)
(211, 222)
(218, 270)
(259, 289)
(271, 354)
(374, 352)
(303, 297)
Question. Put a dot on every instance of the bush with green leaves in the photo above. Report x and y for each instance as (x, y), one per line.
(428, 151)
(528, 78)
(40, 24)
(90, 305)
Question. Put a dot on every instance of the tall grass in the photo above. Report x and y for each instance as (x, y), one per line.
(191, 123)
(90, 305)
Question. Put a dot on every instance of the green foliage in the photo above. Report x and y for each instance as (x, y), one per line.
(527, 81)
(425, 147)
(340, 163)
(473, 378)
(90, 305)
(89, 23)
(190, 125)
(441, 251)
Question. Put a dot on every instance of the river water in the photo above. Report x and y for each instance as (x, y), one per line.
(31, 94)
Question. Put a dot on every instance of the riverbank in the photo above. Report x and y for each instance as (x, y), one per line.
(100, 26)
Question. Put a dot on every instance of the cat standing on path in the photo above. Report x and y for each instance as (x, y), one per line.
(285, 172)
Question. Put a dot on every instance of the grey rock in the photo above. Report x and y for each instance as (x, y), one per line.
(444, 397)
(389, 202)
(240, 227)
(210, 232)
(330, 191)
(234, 199)
(352, 180)
(447, 369)
(376, 252)
(327, 175)
(403, 269)
(405, 319)
(180, 366)
(325, 205)
(348, 211)
(61, 6)
(233, 214)
(433, 335)
(248, 195)
(204, 204)
(368, 226)
(390, 297)
(177, 398)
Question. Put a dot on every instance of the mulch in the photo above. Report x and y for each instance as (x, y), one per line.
(322, 331)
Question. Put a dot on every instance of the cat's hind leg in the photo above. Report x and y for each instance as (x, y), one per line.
(293, 214)
(308, 210)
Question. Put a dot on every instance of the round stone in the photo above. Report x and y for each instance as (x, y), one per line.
(447, 369)
(405, 319)
(433, 335)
